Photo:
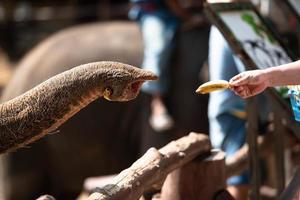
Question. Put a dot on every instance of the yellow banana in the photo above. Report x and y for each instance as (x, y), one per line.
(212, 86)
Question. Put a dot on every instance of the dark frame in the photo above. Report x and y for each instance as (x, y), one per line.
(289, 10)
(288, 6)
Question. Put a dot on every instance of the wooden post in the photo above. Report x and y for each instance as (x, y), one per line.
(252, 132)
(199, 179)
(279, 151)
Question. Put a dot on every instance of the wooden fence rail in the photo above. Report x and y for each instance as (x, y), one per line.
(152, 167)
(188, 167)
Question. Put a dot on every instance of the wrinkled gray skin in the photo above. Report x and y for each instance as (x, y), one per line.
(105, 137)
(44, 108)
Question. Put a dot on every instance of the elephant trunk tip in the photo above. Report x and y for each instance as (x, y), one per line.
(148, 76)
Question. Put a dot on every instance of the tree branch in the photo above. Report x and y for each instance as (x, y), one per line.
(150, 168)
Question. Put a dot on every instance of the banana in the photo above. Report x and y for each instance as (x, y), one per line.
(212, 86)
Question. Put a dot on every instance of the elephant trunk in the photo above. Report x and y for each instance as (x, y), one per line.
(44, 108)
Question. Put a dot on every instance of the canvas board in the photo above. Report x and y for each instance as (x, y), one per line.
(255, 39)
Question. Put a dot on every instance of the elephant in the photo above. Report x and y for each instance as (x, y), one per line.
(105, 137)
(47, 106)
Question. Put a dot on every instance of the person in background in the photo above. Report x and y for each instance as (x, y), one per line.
(251, 83)
(159, 21)
(226, 111)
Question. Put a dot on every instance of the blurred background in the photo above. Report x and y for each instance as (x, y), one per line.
(24, 23)
(105, 137)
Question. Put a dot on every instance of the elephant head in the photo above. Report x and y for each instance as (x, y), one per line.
(44, 108)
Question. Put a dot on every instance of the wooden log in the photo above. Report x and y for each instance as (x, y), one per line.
(93, 183)
(152, 167)
(199, 179)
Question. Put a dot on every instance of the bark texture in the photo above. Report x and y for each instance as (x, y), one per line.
(152, 167)
(200, 179)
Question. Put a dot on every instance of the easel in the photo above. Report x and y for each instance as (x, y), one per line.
(279, 106)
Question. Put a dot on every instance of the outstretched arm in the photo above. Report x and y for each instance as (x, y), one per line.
(250, 83)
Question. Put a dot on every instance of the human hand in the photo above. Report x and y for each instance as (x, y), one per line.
(249, 83)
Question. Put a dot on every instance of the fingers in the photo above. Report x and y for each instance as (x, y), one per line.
(249, 83)
(246, 92)
(243, 91)
(240, 79)
(240, 91)
(236, 77)
(258, 89)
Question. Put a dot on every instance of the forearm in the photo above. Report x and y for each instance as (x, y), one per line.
(288, 74)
